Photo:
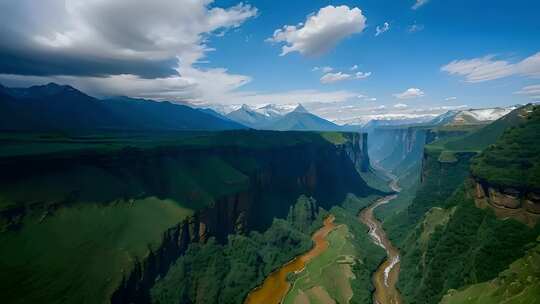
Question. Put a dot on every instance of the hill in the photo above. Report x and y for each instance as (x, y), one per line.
(56, 107)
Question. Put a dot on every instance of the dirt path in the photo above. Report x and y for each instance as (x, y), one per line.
(276, 286)
(386, 276)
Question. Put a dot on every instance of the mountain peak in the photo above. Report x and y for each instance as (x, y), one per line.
(245, 107)
(300, 109)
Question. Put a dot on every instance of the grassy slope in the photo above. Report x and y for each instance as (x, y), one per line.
(80, 254)
(518, 284)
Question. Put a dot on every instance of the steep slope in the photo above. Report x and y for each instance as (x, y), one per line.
(520, 283)
(301, 120)
(249, 117)
(108, 215)
(55, 107)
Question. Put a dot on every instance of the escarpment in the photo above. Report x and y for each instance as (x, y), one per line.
(522, 205)
(212, 190)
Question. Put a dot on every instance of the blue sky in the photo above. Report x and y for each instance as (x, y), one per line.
(435, 54)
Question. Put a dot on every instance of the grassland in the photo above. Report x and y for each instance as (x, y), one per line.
(81, 253)
(520, 283)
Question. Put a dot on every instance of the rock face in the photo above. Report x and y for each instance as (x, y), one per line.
(357, 150)
(397, 149)
(508, 202)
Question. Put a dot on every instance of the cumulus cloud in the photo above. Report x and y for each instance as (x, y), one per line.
(419, 3)
(532, 91)
(410, 93)
(109, 42)
(488, 68)
(339, 76)
(450, 98)
(354, 67)
(400, 106)
(321, 31)
(381, 29)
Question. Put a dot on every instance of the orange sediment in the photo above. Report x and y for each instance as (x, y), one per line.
(276, 286)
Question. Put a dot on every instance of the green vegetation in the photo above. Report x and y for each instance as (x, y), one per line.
(213, 273)
(471, 246)
(343, 272)
(81, 252)
(440, 180)
(328, 275)
(23, 143)
(520, 283)
(514, 160)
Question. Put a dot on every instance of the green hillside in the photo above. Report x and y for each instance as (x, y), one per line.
(518, 284)
(514, 160)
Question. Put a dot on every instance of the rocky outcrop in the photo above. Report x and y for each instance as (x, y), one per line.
(521, 205)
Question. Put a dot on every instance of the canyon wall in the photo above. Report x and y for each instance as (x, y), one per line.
(231, 188)
(522, 205)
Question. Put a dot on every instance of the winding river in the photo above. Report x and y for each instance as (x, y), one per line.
(386, 276)
(276, 286)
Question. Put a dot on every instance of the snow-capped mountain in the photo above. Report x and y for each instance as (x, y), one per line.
(471, 116)
(274, 110)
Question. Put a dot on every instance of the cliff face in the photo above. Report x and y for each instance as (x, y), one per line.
(357, 150)
(230, 189)
(521, 205)
(325, 174)
(398, 149)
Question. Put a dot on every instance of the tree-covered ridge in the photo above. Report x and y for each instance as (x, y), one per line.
(514, 160)
(215, 273)
(520, 283)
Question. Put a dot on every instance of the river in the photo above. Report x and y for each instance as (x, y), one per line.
(276, 285)
(386, 276)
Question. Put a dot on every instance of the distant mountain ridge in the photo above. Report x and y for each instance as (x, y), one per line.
(471, 116)
(60, 107)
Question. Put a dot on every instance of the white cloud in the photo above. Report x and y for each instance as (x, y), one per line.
(340, 76)
(362, 75)
(354, 67)
(450, 98)
(419, 3)
(488, 68)
(97, 44)
(325, 69)
(321, 31)
(400, 106)
(381, 29)
(410, 93)
(415, 28)
(532, 91)
(335, 77)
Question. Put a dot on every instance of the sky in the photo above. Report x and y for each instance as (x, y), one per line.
(348, 58)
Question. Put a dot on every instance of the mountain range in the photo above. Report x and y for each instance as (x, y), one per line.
(57, 107)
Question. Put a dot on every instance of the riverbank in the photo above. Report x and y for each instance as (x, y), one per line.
(386, 276)
(276, 285)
